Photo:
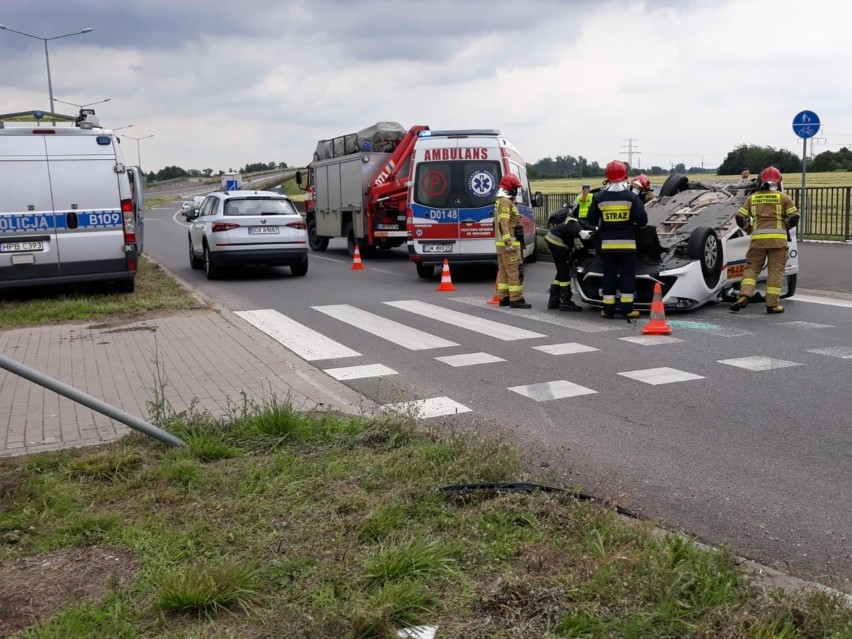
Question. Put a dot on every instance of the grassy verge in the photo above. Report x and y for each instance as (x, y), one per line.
(154, 202)
(283, 524)
(155, 291)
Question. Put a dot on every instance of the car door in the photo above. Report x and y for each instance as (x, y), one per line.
(28, 247)
(196, 227)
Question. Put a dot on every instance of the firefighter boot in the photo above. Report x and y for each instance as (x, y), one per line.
(553, 300)
(741, 303)
(565, 301)
(504, 301)
(520, 303)
(775, 310)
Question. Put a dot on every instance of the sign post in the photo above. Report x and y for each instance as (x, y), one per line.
(805, 125)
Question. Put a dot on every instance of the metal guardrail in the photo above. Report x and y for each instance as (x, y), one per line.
(827, 215)
(87, 400)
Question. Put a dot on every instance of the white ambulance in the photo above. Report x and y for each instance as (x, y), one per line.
(454, 181)
(70, 209)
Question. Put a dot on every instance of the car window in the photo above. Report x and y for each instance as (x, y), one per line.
(207, 206)
(259, 206)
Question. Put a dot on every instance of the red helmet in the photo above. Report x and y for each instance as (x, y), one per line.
(616, 172)
(510, 183)
(770, 174)
(643, 181)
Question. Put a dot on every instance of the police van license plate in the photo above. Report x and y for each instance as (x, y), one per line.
(21, 247)
(263, 230)
(437, 248)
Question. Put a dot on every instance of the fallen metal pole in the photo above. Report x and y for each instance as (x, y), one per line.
(91, 402)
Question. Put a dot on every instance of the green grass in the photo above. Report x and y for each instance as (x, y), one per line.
(280, 523)
(155, 291)
(160, 200)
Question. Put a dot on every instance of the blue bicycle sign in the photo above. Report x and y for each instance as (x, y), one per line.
(806, 124)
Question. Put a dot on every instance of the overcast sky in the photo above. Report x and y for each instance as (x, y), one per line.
(221, 84)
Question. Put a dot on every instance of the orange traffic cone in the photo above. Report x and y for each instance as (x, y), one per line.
(446, 285)
(657, 324)
(495, 301)
(357, 265)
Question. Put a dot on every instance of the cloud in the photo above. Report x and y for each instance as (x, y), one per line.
(222, 84)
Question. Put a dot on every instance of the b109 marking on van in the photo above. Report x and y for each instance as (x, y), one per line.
(29, 222)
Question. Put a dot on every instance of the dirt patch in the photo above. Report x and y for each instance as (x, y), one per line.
(35, 588)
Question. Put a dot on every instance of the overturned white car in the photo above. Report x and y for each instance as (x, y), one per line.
(692, 247)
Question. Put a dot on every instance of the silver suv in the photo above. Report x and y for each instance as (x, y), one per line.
(247, 227)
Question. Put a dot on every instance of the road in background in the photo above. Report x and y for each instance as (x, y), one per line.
(733, 430)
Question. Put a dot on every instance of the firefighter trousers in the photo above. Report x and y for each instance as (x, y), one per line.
(756, 257)
(508, 275)
(619, 273)
(562, 262)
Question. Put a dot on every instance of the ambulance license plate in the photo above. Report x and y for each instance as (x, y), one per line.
(263, 230)
(21, 247)
(437, 248)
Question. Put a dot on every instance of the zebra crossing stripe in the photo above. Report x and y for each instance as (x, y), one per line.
(303, 341)
(505, 332)
(394, 332)
(426, 408)
(360, 372)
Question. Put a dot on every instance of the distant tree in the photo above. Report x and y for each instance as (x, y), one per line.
(756, 158)
(282, 165)
(658, 170)
(680, 167)
(208, 172)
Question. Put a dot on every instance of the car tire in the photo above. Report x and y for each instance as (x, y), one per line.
(792, 280)
(316, 242)
(674, 184)
(350, 243)
(426, 271)
(194, 263)
(299, 269)
(211, 269)
(532, 258)
(703, 245)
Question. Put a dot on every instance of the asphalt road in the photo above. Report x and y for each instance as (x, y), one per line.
(758, 459)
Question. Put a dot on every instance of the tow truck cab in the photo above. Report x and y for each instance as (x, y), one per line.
(452, 191)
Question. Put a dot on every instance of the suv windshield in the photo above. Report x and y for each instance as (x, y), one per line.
(456, 184)
(259, 206)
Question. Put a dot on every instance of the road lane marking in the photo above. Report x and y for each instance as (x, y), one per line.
(360, 372)
(470, 359)
(663, 375)
(568, 348)
(708, 328)
(426, 408)
(828, 301)
(505, 332)
(804, 325)
(303, 341)
(399, 334)
(328, 259)
(650, 340)
(843, 352)
(758, 363)
(559, 389)
(564, 320)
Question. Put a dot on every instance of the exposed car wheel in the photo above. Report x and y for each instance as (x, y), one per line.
(704, 246)
(674, 184)
(350, 242)
(426, 271)
(195, 263)
(532, 258)
(211, 269)
(128, 286)
(791, 286)
(300, 269)
(316, 242)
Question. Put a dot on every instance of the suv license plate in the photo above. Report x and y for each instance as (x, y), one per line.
(21, 247)
(437, 248)
(263, 230)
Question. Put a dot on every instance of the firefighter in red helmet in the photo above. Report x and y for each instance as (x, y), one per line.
(509, 252)
(641, 186)
(617, 212)
(768, 214)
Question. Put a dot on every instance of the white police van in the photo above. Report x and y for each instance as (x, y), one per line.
(70, 210)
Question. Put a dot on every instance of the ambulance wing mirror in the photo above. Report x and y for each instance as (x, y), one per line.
(538, 199)
(299, 179)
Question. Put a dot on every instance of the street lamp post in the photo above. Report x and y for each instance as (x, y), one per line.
(46, 53)
(138, 152)
(119, 128)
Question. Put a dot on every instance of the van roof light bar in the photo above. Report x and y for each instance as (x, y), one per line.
(459, 133)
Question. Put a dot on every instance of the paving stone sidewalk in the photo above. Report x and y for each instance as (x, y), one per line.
(206, 357)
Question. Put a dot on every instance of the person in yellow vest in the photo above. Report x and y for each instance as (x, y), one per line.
(768, 214)
(584, 201)
(509, 251)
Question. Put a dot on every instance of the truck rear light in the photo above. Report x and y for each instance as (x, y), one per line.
(129, 223)
(131, 264)
(218, 227)
(409, 223)
(297, 225)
